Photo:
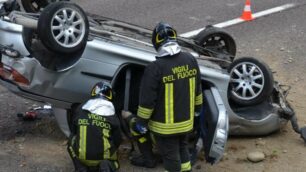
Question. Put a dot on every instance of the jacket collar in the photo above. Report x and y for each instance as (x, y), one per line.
(99, 106)
(168, 49)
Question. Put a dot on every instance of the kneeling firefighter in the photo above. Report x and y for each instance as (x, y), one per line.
(96, 133)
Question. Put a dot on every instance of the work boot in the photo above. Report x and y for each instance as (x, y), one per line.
(79, 167)
(81, 170)
(147, 158)
(142, 161)
(106, 166)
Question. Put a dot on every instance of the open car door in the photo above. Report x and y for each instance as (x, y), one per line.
(214, 125)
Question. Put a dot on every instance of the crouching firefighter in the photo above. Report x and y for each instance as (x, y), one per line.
(96, 133)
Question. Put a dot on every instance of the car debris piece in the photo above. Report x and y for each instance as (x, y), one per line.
(34, 113)
(28, 116)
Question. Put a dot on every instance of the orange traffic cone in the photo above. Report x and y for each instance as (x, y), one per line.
(247, 13)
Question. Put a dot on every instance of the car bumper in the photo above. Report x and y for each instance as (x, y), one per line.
(26, 94)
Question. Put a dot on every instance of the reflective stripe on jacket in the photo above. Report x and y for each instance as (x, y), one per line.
(170, 94)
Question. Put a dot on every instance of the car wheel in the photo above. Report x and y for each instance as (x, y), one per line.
(63, 27)
(251, 81)
(217, 41)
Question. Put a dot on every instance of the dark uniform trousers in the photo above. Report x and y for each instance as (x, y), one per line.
(175, 153)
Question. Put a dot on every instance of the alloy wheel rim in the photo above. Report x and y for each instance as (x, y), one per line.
(247, 81)
(68, 27)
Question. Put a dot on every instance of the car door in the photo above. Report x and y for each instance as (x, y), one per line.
(214, 125)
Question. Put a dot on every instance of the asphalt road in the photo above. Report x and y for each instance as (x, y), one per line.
(184, 15)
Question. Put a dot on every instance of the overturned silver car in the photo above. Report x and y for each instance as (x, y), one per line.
(56, 56)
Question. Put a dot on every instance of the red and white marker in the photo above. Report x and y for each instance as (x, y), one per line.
(247, 13)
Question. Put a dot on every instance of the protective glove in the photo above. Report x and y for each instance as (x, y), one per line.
(140, 128)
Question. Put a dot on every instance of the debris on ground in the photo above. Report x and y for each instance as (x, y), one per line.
(19, 139)
(225, 157)
(260, 142)
(256, 156)
(274, 155)
(27, 116)
(198, 167)
(65, 143)
(34, 112)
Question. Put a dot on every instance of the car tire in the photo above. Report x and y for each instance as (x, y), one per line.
(27, 35)
(251, 81)
(217, 40)
(63, 27)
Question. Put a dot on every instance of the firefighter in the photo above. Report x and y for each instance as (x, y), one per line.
(170, 98)
(96, 133)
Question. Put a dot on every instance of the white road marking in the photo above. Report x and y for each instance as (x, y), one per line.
(239, 20)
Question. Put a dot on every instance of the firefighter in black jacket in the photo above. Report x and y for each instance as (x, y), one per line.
(96, 133)
(170, 98)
